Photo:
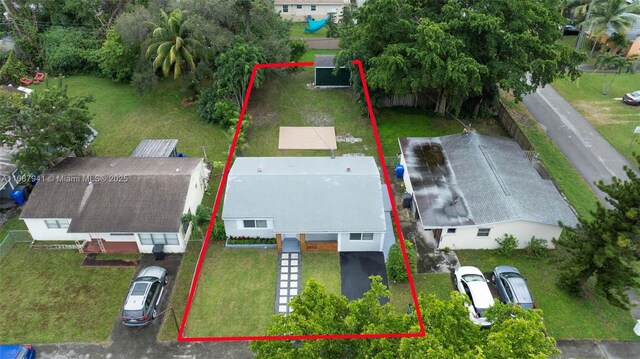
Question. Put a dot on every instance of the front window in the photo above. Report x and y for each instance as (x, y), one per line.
(483, 232)
(285, 8)
(313, 8)
(361, 236)
(298, 6)
(158, 238)
(56, 223)
(254, 223)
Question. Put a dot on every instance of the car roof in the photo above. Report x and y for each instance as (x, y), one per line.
(506, 269)
(152, 271)
(636, 93)
(520, 290)
(482, 297)
(464, 270)
(137, 294)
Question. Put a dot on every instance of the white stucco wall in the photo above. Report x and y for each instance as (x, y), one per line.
(299, 15)
(347, 245)
(40, 232)
(234, 228)
(466, 237)
(196, 189)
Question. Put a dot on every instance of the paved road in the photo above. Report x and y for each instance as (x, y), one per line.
(588, 152)
(322, 43)
(587, 349)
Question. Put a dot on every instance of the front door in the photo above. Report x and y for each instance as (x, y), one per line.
(290, 243)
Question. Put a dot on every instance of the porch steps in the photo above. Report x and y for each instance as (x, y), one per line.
(289, 282)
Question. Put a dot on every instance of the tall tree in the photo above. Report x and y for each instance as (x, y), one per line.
(52, 125)
(234, 69)
(174, 45)
(610, 14)
(481, 46)
(607, 247)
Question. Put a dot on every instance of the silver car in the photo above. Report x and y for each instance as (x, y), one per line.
(512, 287)
(145, 293)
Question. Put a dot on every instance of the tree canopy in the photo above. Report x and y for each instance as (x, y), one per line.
(606, 247)
(50, 126)
(458, 54)
(516, 333)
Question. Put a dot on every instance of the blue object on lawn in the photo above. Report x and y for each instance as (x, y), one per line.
(399, 170)
(315, 25)
(180, 154)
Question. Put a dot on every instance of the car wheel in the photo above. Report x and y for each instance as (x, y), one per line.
(493, 278)
(166, 280)
(154, 314)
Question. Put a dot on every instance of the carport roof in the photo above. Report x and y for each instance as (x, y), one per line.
(307, 194)
(474, 179)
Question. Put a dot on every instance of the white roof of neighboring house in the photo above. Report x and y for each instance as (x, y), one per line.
(307, 194)
(633, 32)
(473, 179)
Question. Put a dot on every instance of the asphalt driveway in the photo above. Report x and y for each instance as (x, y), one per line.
(355, 270)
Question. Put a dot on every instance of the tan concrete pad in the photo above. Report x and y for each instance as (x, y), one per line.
(307, 138)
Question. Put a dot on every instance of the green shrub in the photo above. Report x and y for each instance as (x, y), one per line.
(12, 70)
(298, 49)
(506, 245)
(143, 78)
(218, 232)
(214, 110)
(537, 247)
(251, 240)
(70, 51)
(115, 60)
(396, 270)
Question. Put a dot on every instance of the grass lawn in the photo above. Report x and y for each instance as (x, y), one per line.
(236, 293)
(178, 299)
(607, 113)
(12, 224)
(429, 283)
(48, 297)
(573, 186)
(297, 31)
(566, 317)
(324, 268)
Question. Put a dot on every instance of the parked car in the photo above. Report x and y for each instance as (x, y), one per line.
(570, 30)
(145, 293)
(512, 287)
(17, 351)
(470, 281)
(632, 98)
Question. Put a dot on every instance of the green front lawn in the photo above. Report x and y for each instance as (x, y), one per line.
(566, 317)
(429, 283)
(607, 113)
(572, 185)
(236, 293)
(12, 224)
(324, 268)
(47, 297)
(297, 31)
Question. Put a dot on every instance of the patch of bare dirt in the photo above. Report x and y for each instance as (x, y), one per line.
(318, 119)
(347, 138)
(597, 112)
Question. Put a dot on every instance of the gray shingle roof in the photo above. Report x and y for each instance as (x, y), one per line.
(155, 148)
(470, 178)
(151, 200)
(307, 194)
(324, 61)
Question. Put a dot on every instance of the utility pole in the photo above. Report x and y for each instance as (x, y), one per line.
(10, 18)
(581, 36)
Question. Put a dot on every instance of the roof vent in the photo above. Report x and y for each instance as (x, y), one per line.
(259, 169)
(348, 169)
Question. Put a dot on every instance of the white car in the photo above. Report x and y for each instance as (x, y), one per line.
(470, 281)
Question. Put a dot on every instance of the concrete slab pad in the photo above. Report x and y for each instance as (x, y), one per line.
(307, 138)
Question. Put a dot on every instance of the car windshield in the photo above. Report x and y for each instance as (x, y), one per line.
(635, 93)
(132, 313)
(473, 278)
(139, 288)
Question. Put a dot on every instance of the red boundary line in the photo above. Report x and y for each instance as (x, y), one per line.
(205, 245)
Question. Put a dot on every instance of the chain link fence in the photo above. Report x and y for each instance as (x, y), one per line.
(13, 237)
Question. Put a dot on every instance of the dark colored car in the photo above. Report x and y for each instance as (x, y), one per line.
(570, 30)
(141, 306)
(632, 98)
(512, 287)
(17, 351)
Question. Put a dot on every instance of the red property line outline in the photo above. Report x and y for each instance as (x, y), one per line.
(205, 245)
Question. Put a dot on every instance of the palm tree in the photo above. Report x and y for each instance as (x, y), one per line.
(610, 14)
(618, 42)
(197, 220)
(173, 45)
(618, 63)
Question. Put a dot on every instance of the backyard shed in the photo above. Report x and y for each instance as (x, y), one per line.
(156, 148)
(324, 77)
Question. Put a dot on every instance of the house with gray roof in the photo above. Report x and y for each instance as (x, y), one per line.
(308, 203)
(130, 202)
(469, 189)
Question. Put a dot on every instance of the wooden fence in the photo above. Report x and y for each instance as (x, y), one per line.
(510, 125)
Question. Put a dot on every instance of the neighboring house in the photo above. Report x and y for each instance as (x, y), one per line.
(633, 36)
(324, 77)
(117, 202)
(298, 10)
(469, 189)
(308, 203)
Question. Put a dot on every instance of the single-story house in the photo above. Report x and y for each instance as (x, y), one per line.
(134, 201)
(298, 10)
(469, 189)
(632, 34)
(308, 203)
(324, 77)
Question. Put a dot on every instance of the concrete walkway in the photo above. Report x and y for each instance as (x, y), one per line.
(587, 151)
(288, 285)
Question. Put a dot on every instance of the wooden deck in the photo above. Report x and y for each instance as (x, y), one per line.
(111, 247)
